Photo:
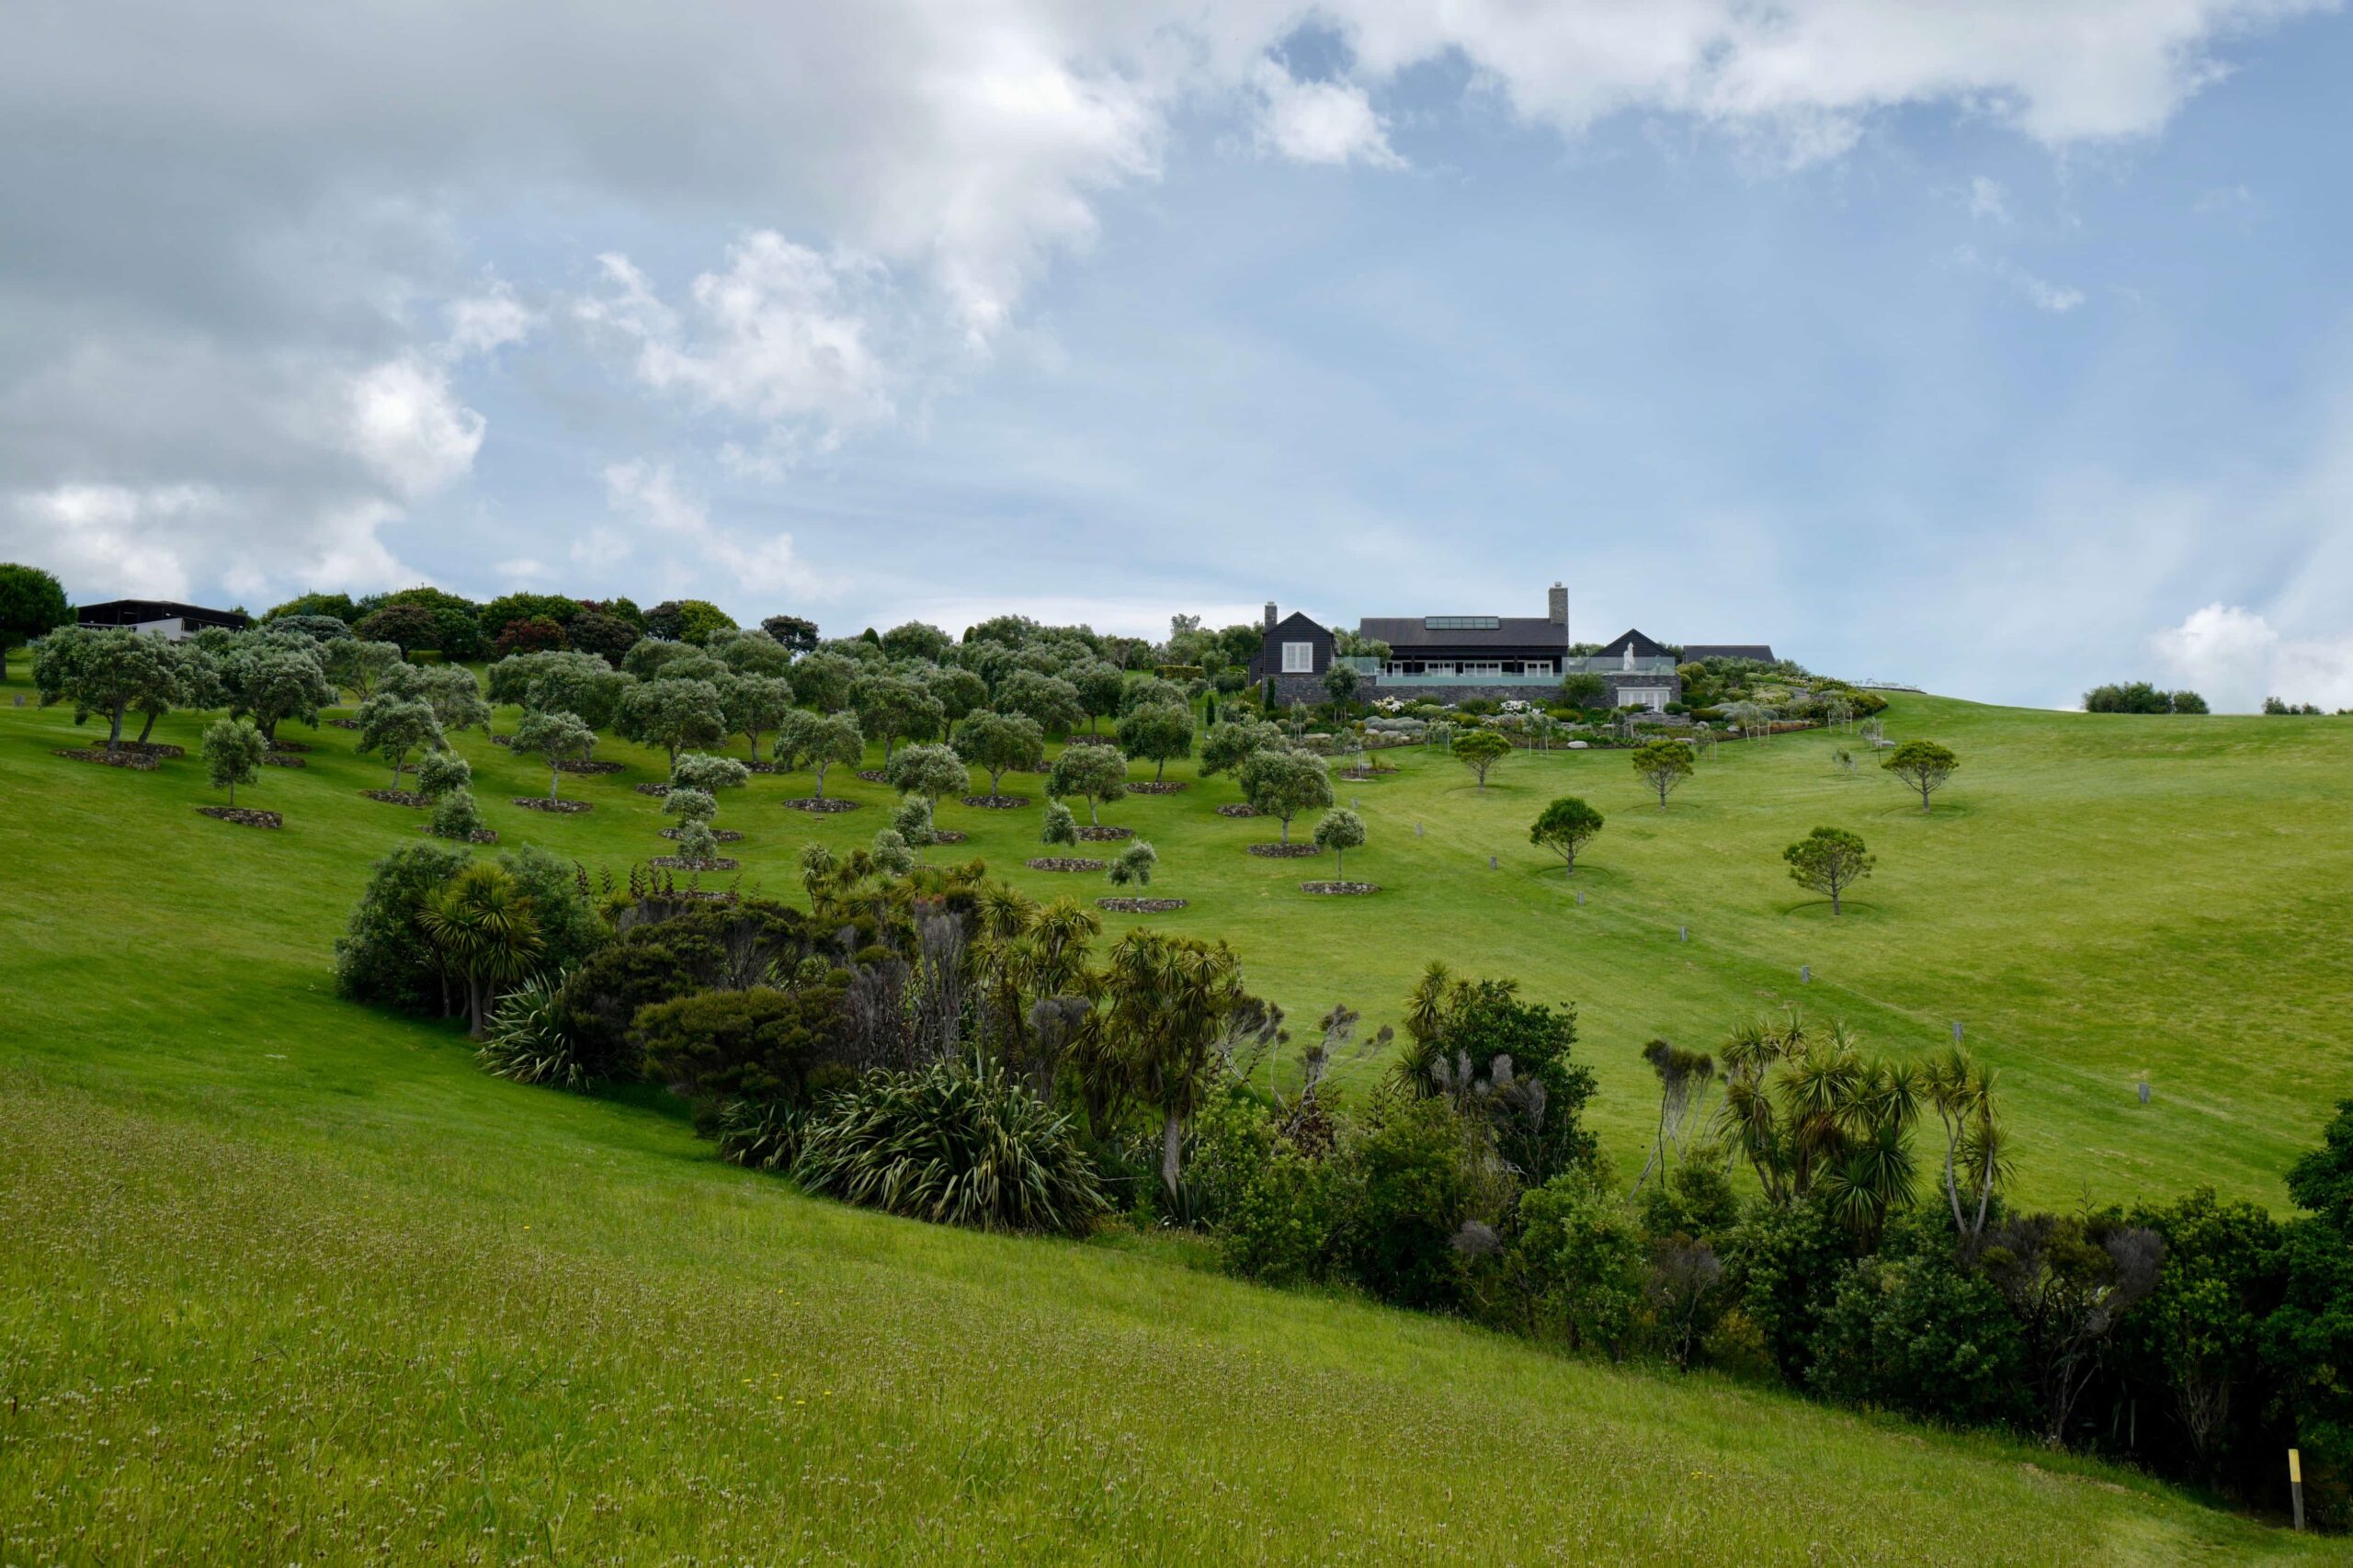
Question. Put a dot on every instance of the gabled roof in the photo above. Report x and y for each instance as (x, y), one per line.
(1643, 647)
(1401, 632)
(1762, 652)
(131, 612)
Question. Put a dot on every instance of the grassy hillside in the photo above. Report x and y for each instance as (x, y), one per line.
(283, 1278)
(2093, 897)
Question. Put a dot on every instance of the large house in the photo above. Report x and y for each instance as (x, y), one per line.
(1455, 658)
(161, 617)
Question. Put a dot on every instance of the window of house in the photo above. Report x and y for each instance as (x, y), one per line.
(1298, 658)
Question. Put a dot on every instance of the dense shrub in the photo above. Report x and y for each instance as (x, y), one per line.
(1273, 1210)
(528, 1040)
(1406, 1189)
(1783, 1265)
(383, 957)
(757, 1044)
(1581, 1263)
(957, 1143)
(532, 636)
(1920, 1334)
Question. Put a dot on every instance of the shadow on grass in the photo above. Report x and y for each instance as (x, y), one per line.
(1854, 912)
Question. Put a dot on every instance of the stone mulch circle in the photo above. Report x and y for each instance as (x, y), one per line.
(1237, 811)
(996, 802)
(1103, 833)
(874, 776)
(274, 745)
(157, 749)
(130, 759)
(1340, 889)
(408, 798)
(681, 863)
(724, 834)
(1064, 863)
(813, 803)
(1159, 787)
(346, 723)
(656, 791)
(569, 766)
(1285, 851)
(273, 759)
(561, 808)
(948, 835)
(242, 817)
(1140, 906)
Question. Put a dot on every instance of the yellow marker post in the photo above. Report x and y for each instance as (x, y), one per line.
(2296, 1484)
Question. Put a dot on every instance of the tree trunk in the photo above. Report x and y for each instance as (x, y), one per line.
(1834, 899)
(1159, 772)
(1172, 1149)
(555, 776)
(819, 771)
(114, 729)
(477, 1005)
(1286, 830)
(1340, 865)
(148, 728)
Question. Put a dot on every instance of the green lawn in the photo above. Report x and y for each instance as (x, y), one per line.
(281, 1278)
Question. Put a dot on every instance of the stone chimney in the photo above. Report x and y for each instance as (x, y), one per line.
(1270, 615)
(1557, 603)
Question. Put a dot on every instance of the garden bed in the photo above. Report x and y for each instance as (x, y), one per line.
(242, 817)
(104, 758)
(569, 766)
(1103, 833)
(499, 740)
(996, 802)
(1140, 906)
(345, 723)
(479, 835)
(275, 759)
(1299, 851)
(874, 776)
(1064, 863)
(820, 804)
(1340, 889)
(158, 750)
(408, 798)
(681, 863)
(760, 767)
(1159, 787)
(948, 835)
(561, 808)
(1237, 810)
(292, 747)
(656, 791)
(724, 834)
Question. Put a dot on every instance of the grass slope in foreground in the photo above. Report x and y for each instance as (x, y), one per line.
(282, 1280)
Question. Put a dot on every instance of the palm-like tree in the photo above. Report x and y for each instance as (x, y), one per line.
(1168, 1001)
(1961, 1092)
(487, 933)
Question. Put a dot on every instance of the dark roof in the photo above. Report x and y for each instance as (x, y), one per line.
(1401, 632)
(133, 612)
(1760, 652)
(1643, 647)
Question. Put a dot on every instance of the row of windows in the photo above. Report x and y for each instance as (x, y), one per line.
(1461, 623)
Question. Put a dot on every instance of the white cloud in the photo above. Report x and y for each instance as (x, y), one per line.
(2042, 293)
(1319, 122)
(522, 569)
(765, 566)
(779, 336)
(404, 421)
(2235, 658)
(112, 534)
(481, 322)
(1988, 200)
(600, 546)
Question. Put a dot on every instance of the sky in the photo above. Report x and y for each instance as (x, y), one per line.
(2003, 347)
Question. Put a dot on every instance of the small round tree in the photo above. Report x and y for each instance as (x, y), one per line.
(232, 752)
(701, 770)
(673, 712)
(1340, 683)
(929, 771)
(1281, 784)
(1923, 766)
(1565, 827)
(441, 772)
(911, 822)
(456, 817)
(1095, 773)
(1340, 831)
(1663, 764)
(1480, 750)
(1230, 745)
(891, 854)
(1000, 743)
(1060, 827)
(560, 737)
(1158, 733)
(1135, 865)
(1829, 860)
(820, 741)
(392, 727)
(32, 603)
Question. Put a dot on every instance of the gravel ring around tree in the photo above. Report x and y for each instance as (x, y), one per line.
(1242, 809)
(874, 776)
(498, 740)
(656, 791)
(996, 802)
(1092, 741)
(1340, 889)
(681, 863)
(949, 835)
(242, 817)
(479, 835)
(820, 804)
(346, 723)
(1159, 787)
(561, 808)
(288, 746)
(131, 760)
(1140, 906)
(724, 834)
(1064, 863)
(408, 798)
(159, 750)
(1299, 850)
(569, 766)
(1103, 833)
(272, 759)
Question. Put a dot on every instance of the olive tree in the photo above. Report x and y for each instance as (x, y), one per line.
(892, 708)
(1283, 783)
(929, 771)
(1663, 764)
(1050, 700)
(1095, 773)
(1923, 766)
(392, 727)
(1480, 750)
(1829, 860)
(1230, 745)
(755, 704)
(232, 752)
(1100, 686)
(817, 742)
(105, 672)
(672, 713)
(1158, 733)
(1565, 827)
(559, 737)
(1340, 831)
(1000, 743)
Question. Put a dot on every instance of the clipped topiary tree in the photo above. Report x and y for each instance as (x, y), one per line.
(232, 752)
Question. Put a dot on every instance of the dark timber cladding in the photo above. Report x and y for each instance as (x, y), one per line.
(147, 612)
